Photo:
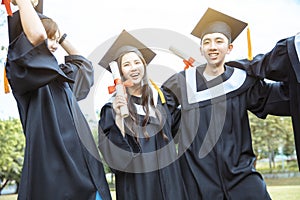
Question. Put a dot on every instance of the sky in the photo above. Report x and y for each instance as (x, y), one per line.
(93, 24)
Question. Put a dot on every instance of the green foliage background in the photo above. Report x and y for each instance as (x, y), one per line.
(12, 144)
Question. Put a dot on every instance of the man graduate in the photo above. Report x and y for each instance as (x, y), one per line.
(217, 159)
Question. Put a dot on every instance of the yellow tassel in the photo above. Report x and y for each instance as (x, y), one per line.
(250, 56)
(6, 85)
(161, 95)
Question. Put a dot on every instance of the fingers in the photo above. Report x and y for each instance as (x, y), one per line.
(118, 102)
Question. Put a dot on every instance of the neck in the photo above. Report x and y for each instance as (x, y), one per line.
(214, 70)
(135, 90)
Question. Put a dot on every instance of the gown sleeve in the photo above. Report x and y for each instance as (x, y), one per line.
(116, 149)
(274, 65)
(269, 99)
(175, 111)
(171, 90)
(79, 69)
(30, 67)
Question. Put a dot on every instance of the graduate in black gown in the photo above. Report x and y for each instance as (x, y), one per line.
(61, 158)
(280, 64)
(217, 159)
(139, 148)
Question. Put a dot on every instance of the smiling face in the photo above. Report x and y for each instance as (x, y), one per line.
(214, 47)
(132, 68)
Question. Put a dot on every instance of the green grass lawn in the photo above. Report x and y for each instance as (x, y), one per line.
(279, 189)
(284, 188)
(289, 192)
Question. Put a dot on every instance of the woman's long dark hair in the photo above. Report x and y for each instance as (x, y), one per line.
(147, 102)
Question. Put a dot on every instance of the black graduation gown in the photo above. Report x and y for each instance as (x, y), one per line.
(217, 159)
(60, 160)
(280, 64)
(145, 170)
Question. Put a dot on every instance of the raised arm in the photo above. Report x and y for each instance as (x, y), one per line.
(31, 23)
(68, 46)
(277, 63)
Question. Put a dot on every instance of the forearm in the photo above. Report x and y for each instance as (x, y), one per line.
(69, 47)
(31, 23)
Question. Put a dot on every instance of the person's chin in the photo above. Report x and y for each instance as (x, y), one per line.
(136, 81)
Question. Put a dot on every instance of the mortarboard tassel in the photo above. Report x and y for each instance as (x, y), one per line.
(6, 85)
(161, 95)
(7, 6)
(250, 56)
(9, 12)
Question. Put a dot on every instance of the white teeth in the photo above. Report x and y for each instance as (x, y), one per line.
(134, 75)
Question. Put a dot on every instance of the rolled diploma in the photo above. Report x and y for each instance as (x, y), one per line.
(184, 56)
(119, 86)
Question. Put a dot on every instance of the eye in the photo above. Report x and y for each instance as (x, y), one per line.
(205, 42)
(126, 64)
(137, 62)
(219, 41)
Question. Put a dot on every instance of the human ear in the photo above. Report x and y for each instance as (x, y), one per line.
(230, 47)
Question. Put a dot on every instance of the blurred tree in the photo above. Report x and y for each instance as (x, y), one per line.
(12, 144)
(288, 137)
(271, 134)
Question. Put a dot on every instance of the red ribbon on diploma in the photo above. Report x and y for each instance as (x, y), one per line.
(188, 63)
(112, 89)
(7, 6)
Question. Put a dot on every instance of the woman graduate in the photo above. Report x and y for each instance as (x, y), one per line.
(139, 148)
(61, 160)
(218, 158)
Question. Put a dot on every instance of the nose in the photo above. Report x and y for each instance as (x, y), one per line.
(133, 66)
(212, 45)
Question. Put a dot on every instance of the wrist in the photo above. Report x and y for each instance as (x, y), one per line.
(62, 38)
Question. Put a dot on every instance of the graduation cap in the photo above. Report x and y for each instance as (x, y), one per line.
(214, 21)
(125, 43)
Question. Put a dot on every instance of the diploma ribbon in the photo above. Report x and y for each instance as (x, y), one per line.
(187, 60)
(7, 6)
(188, 63)
(112, 89)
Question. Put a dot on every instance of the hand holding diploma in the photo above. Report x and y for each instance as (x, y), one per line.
(120, 88)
